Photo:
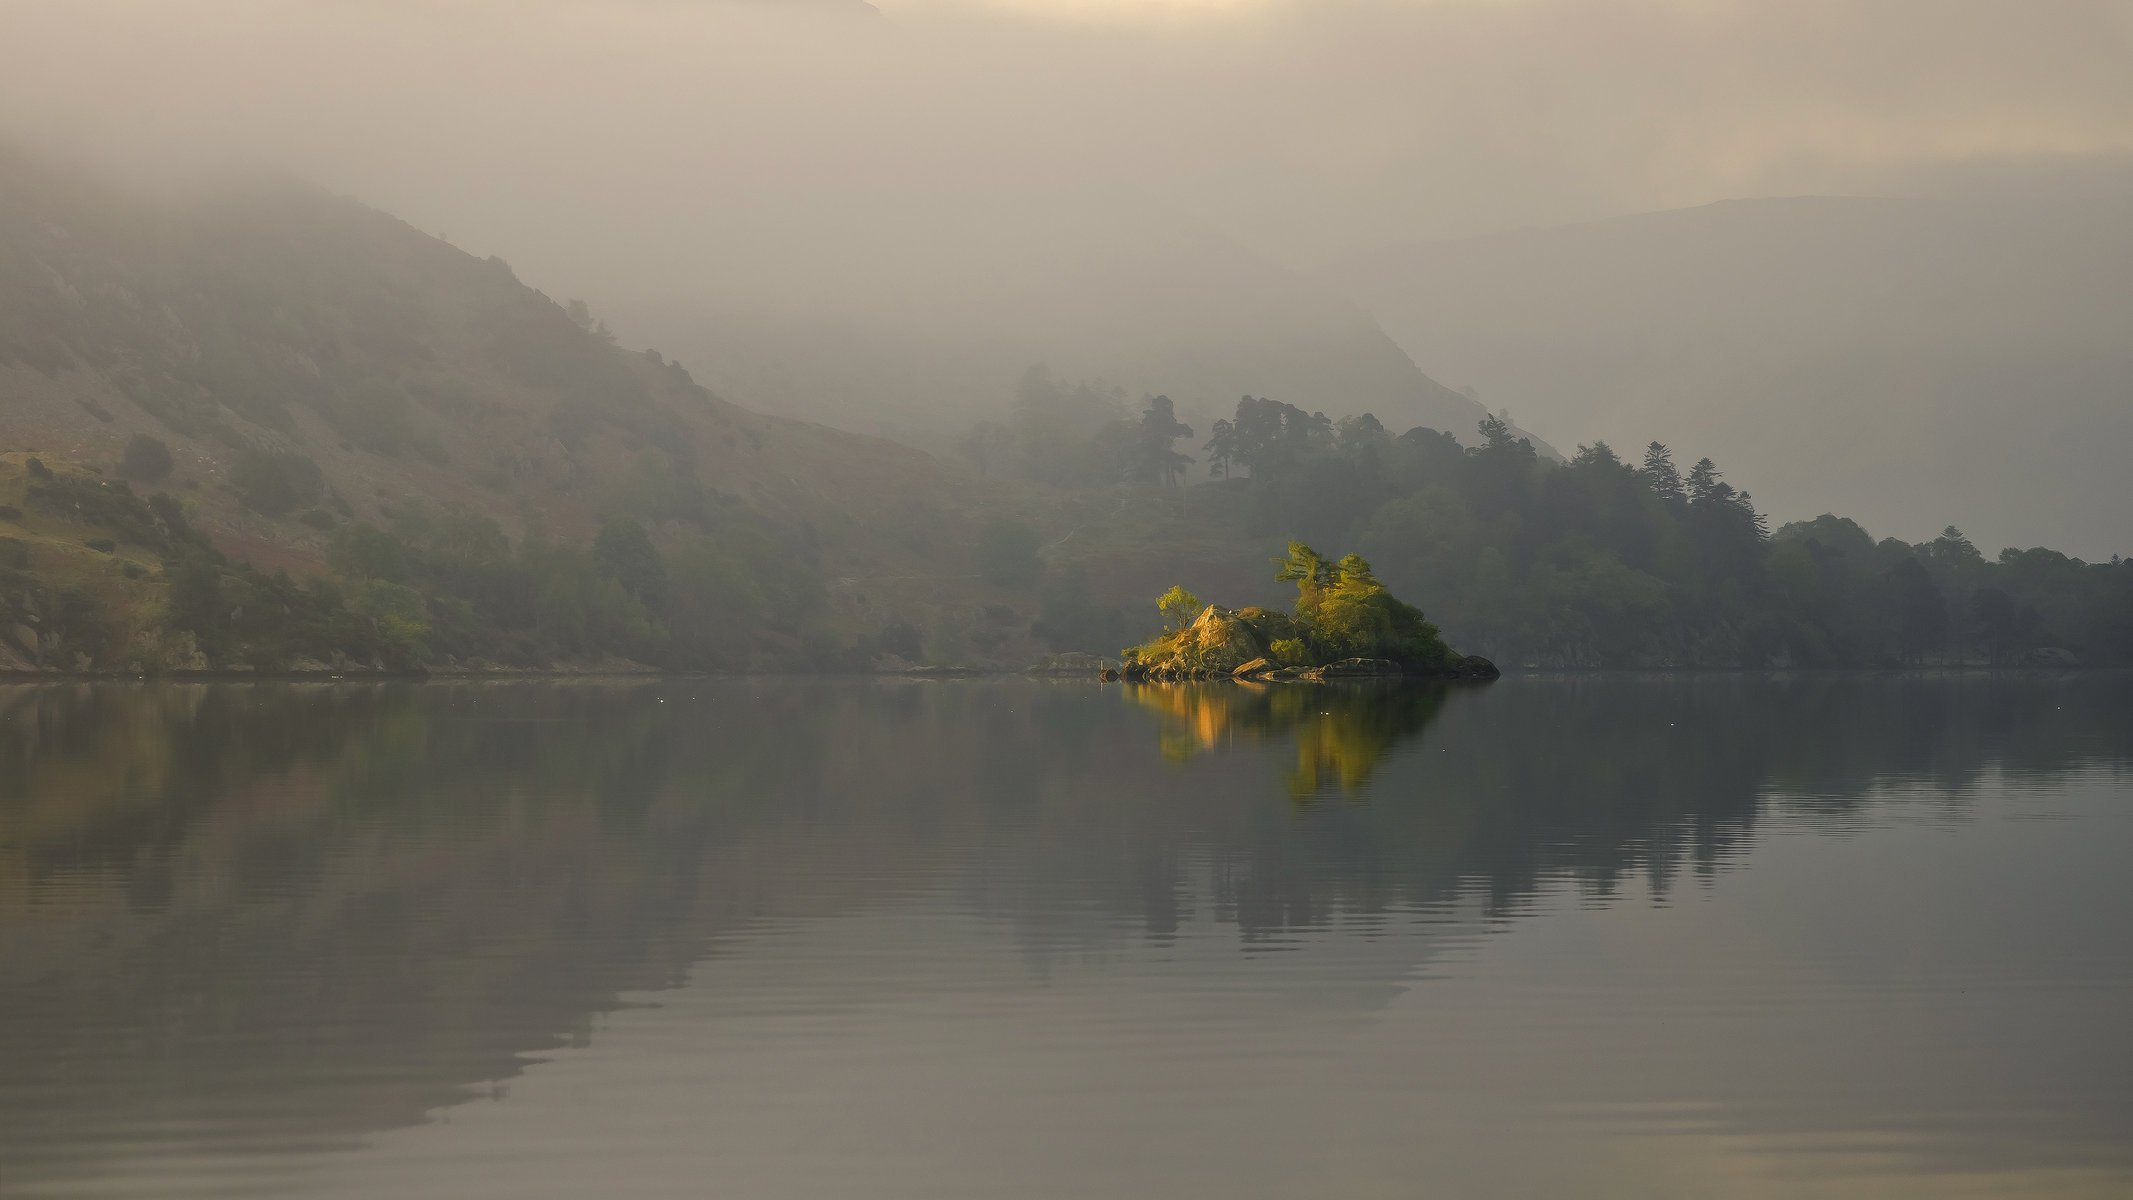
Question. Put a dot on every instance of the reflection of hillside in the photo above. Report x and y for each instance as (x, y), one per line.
(296, 913)
(1341, 730)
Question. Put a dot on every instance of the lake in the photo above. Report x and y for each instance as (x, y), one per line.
(1842, 935)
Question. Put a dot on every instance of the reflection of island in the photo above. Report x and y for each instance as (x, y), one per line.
(1341, 730)
(327, 910)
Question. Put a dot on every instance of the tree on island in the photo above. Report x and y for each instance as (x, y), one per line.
(1178, 607)
(1345, 622)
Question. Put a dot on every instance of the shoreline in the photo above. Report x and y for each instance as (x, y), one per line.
(924, 674)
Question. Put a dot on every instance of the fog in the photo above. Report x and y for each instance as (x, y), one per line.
(772, 191)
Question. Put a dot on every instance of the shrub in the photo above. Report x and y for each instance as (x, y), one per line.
(1290, 652)
(1178, 607)
(9, 512)
(105, 545)
(146, 460)
(14, 554)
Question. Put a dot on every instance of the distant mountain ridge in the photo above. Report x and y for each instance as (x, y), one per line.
(1905, 360)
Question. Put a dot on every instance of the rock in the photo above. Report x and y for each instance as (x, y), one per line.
(1074, 663)
(1254, 669)
(1473, 666)
(1108, 675)
(1357, 668)
(1219, 642)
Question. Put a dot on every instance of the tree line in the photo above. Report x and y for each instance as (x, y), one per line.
(1602, 561)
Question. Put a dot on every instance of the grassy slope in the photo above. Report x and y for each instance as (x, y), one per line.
(285, 319)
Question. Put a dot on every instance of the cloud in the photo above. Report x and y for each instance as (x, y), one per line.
(787, 143)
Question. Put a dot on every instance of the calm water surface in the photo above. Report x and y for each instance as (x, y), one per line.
(1844, 936)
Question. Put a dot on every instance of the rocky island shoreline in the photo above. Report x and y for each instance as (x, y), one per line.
(1346, 625)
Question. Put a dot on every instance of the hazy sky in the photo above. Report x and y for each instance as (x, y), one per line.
(1306, 127)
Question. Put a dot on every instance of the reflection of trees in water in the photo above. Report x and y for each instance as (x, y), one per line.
(1595, 778)
(408, 889)
(1341, 730)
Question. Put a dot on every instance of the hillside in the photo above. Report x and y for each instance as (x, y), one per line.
(1910, 361)
(386, 373)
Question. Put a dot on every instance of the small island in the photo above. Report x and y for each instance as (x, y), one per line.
(1345, 625)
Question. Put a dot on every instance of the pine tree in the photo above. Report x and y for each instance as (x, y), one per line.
(1661, 475)
(1703, 487)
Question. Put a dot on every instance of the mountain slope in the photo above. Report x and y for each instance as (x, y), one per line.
(273, 324)
(1908, 361)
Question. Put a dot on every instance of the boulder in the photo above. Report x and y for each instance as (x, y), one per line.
(1219, 642)
(1473, 666)
(1254, 669)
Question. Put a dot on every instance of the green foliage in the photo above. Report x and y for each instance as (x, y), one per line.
(399, 615)
(1596, 562)
(1178, 607)
(145, 460)
(1290, 652)
(273, 483)
(1305, 568)
(1347, 613)
(1342, 611)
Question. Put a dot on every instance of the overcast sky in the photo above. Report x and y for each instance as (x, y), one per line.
(1306, 127)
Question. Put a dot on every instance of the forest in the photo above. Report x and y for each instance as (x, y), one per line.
(1595, 561)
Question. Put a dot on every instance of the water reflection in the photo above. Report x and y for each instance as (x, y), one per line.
(252, 922)
(1341, 730)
